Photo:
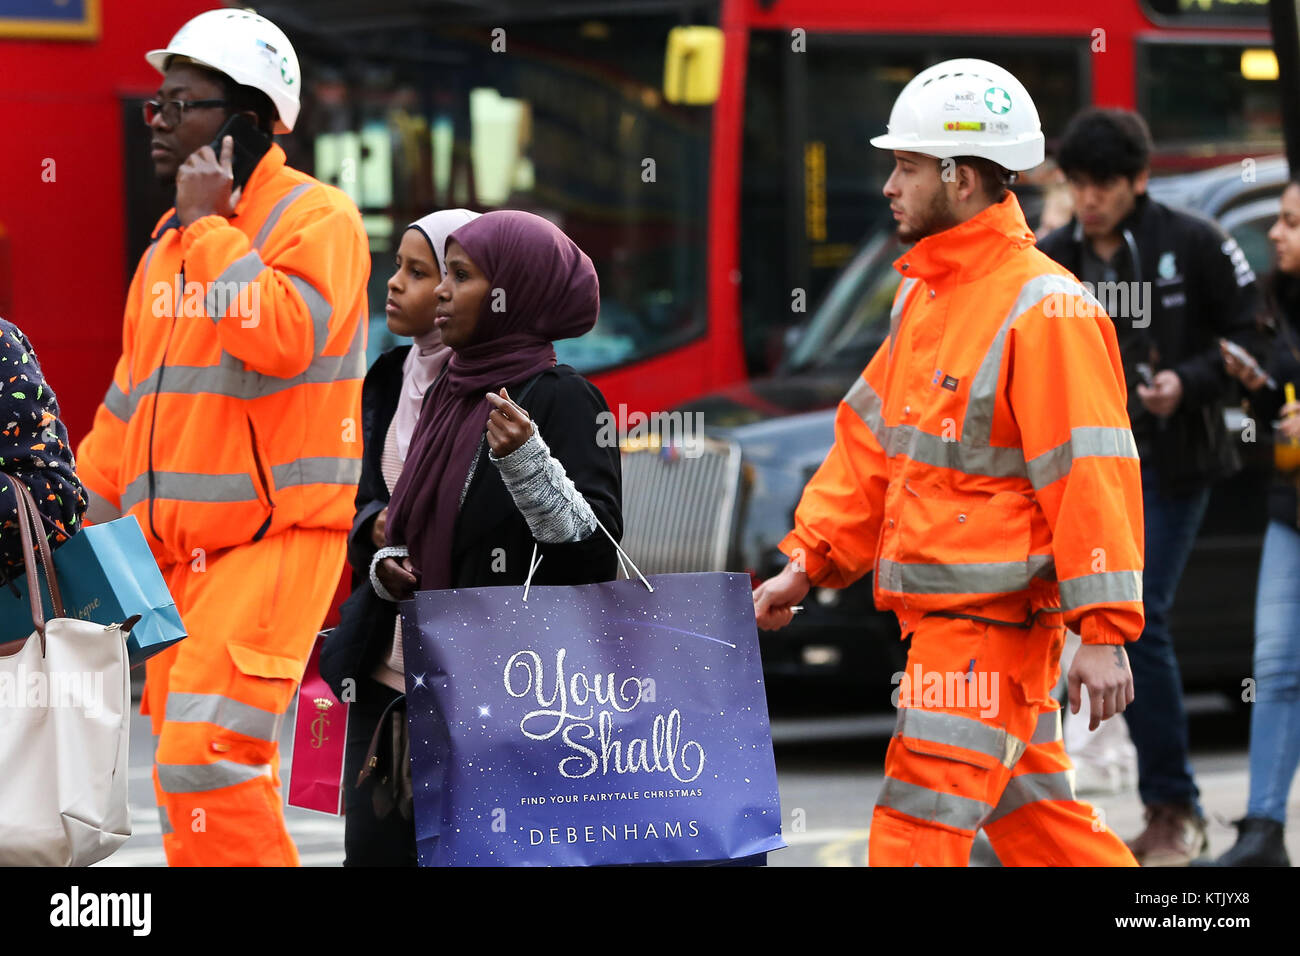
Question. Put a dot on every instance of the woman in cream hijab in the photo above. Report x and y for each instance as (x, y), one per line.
(366, 647)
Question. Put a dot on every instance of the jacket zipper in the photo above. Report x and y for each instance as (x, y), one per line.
(261, 477)
(153, 413)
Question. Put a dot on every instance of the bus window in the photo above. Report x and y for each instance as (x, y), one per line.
(1194, 96)
(811, 187)
(568, 122)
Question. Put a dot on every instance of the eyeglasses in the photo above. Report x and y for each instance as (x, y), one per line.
(172, 110)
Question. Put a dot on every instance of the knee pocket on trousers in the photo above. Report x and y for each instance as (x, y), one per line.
(939, 784)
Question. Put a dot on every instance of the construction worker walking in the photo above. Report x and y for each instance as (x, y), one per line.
(984, 469)
(231, 427)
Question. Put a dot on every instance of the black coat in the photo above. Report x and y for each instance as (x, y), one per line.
(1266, 403)
(491, 544)
(1211, 294)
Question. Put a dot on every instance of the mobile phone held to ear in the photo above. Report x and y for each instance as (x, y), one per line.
(250, 145)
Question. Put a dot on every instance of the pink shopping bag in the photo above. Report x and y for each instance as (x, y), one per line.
(319, 734)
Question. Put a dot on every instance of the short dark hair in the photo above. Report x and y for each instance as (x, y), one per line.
(241, 99)
(1105, 143)
(994, 179)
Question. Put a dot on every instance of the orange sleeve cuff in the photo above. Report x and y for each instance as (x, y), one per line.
(817, 566)
(200, 228)
(1095, 629)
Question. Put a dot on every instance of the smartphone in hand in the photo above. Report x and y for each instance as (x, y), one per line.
(250, 143)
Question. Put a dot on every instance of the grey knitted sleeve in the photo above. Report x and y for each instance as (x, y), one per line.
(555, 510)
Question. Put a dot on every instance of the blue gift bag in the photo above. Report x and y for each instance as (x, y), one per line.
(595, 724)
(107, 574)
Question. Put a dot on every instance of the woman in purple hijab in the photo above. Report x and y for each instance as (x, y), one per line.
(506, 451)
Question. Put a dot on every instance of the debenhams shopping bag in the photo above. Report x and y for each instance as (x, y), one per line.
(596, 724)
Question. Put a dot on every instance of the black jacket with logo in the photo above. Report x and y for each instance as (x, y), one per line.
(1197, 287)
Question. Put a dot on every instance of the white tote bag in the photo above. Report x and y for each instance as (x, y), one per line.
(65, 700)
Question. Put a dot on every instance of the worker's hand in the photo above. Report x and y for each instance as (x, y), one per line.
(774, 598)
(1164, 393)
(203, 184)
(379, 530)
(1290, 424)
(1253, 377)
(508, 425)
(1104, 670)
(399, 579)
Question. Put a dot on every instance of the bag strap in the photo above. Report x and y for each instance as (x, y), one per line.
(34, 541)
(536, 560)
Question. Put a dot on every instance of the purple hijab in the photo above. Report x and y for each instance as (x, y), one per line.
(542, 288)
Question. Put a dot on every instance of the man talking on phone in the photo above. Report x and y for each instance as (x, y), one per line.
(230, 428)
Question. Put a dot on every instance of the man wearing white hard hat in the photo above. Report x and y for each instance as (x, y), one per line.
(984, 470)
(230, 427)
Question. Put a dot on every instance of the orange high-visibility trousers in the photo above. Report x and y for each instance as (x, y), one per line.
(978, 745)
(217, 698)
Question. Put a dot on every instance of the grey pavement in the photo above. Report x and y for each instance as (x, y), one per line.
(829, 772)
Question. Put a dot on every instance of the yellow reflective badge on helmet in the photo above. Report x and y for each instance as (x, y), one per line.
(963, 125)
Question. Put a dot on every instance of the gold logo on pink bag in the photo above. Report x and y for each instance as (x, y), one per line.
(321, 723)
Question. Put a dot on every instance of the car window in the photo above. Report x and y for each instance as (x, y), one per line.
(1249, 225)
(853, 319)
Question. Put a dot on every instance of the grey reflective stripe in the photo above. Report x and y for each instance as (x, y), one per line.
(937, 727)
(926, 804)
(983, 391)
(921, 446)
(896, 313)
(228, 287)
(1048, 729)
(164, 821)
(1085, 442)
(311, 471)
(992, 578)
(232, 715)
(318, 307)
(862, 398)
(231, 380)
(117, 403)
(198, 777)
(190, 486)
(276, 212)
(1031, 788)
(1105, 587)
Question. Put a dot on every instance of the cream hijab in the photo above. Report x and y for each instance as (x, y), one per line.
(428, 355)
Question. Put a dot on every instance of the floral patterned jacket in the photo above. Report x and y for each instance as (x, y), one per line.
(34, 449)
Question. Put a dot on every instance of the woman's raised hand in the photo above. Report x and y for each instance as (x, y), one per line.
(508, 425)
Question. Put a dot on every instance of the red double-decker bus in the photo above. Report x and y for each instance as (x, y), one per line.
(715, 226)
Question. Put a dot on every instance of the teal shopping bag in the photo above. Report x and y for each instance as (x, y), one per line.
(107, 574)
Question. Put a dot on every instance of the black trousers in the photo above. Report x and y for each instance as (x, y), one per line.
(370, 840)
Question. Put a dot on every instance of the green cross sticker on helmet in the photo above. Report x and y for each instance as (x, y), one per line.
(997, 100)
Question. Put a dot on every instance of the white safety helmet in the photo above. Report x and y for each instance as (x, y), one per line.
(966, 107)
(248, 48)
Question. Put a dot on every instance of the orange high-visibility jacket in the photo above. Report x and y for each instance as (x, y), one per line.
(985, 453)
(235, 407)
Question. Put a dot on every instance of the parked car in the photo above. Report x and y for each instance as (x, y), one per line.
(728, 504)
